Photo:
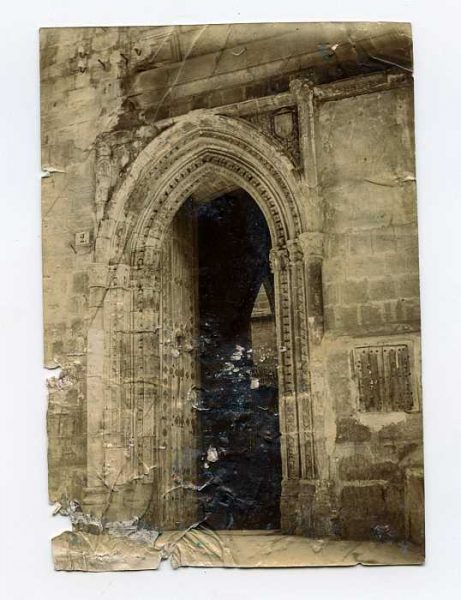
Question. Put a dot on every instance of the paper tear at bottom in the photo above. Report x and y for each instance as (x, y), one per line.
(202, 547)
(80, 551)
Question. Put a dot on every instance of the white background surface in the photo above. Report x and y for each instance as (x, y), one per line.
(26, 524)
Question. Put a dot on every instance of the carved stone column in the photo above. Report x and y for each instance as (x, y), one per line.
(299, 308)
(142, 362)
(314, 492)
(118, 463)
(295, 397)
(288, 413)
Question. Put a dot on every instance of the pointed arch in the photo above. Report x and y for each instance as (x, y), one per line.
(168, 170)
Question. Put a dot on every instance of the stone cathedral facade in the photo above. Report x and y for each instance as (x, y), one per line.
(315, 124)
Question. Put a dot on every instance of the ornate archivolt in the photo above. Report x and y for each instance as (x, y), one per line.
(173, 159)
(126, 285)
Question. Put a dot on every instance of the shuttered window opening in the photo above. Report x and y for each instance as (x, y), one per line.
(384, 375)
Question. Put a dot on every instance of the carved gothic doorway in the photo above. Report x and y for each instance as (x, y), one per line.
(143, 362)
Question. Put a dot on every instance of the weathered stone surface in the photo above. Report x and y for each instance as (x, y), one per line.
(371, 510)
(350, 430)
(358, 467)
(363, 500)
(408, 430)
(414, 506)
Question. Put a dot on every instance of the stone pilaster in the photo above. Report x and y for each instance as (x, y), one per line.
(303, 92)
(311, 244)
(288, 413)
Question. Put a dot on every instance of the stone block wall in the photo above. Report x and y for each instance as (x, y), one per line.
(371, 281)
(371, 299)
(367, 179)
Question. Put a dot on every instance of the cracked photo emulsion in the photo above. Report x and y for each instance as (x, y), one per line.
(231, 293)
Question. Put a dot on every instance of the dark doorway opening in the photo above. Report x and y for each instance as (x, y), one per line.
(240, 463)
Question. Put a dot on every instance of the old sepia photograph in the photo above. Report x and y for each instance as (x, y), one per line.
(231, 295)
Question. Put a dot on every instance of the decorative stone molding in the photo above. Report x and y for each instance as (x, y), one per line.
(294, 252)
(303, 97)
(176, 173)
(362, 84)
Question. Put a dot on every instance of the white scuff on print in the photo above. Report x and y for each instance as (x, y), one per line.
(238, 353)
(212, 454)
